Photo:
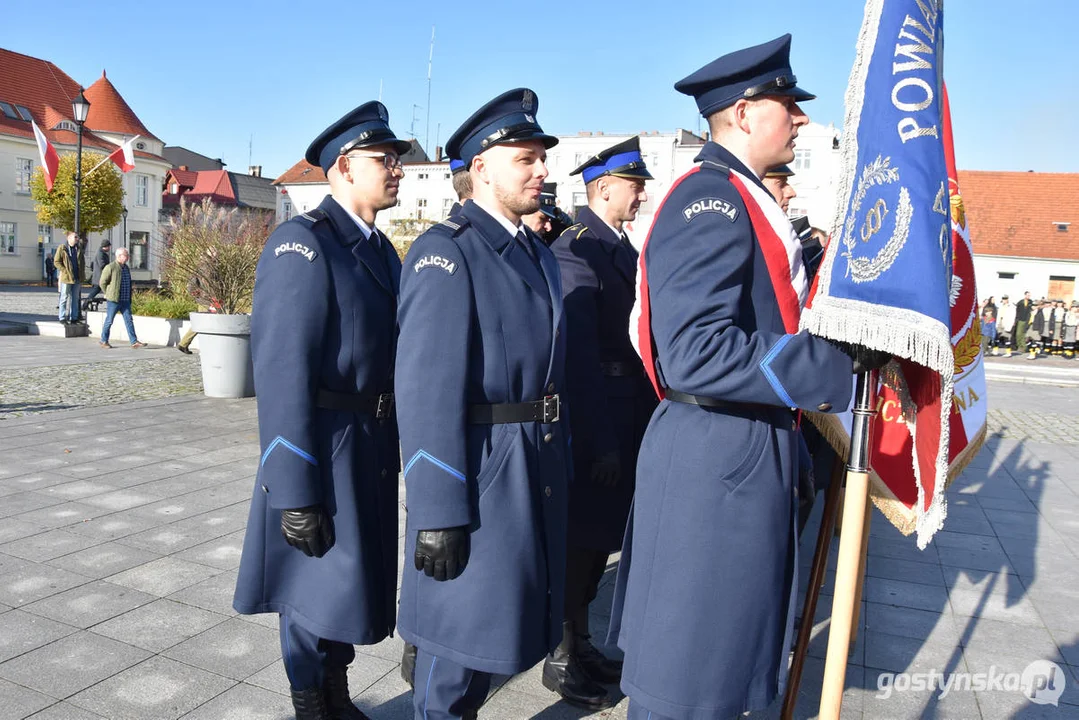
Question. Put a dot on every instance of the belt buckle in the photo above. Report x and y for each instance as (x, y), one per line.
(385, 405)
(552, 408)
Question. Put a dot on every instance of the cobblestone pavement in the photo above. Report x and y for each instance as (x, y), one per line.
(43, 374)
(121, 526)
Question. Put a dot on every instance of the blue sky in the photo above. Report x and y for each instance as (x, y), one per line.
(212, 76)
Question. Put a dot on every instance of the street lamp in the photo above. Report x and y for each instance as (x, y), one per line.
(80, 108)
(124, 213)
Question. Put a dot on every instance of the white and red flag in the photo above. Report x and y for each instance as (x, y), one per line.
(124, 156)
(50, 159)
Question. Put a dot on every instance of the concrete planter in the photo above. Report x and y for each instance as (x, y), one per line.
(225, 354)
(151, 330)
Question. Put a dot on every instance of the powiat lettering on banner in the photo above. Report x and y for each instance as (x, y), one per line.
(917, 54)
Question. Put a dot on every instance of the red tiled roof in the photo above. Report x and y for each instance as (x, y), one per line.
(186, 178)
(213, 184)
(46, 91)
(110, 112)
(301, 173)
(1015, 213)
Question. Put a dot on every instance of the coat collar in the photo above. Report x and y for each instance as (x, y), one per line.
(623, 256)
(496, 235)
(717, 153)
(349, 234)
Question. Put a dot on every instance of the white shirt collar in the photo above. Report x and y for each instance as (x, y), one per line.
(364, 227)
(616, 231)
(502, 219)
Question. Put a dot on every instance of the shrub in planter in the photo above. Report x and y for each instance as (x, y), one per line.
(212, 253)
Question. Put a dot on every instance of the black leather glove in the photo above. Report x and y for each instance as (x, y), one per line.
(607, 470)
(308, 529)
(442, 554)
(865, 359)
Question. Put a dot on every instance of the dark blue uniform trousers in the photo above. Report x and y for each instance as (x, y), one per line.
(306, 654)
(446, 690)
(636, 712)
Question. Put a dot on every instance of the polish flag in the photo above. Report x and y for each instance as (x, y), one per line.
(50, 160)
(124, 156)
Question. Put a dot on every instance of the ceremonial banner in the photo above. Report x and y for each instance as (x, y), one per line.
(887, 279)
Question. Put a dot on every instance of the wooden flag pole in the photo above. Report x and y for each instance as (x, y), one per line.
(850, 550)
(861, 575)
(816, 581)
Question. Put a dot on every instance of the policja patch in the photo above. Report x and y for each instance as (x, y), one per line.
(715, 205)
(295, 247)
(435, 261)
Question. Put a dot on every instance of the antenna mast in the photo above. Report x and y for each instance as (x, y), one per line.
(430, 59)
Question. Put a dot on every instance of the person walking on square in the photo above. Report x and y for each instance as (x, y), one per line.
(1071, 320)
(66, 260)
(202, 298)
(989, 332)
(1005, 327)
(116, 286)
(1023, 316)
(612, 402)
(321, 543)
(704, 610)
(50, 272)
(97, 265)
(480, 368)
(1059, 314)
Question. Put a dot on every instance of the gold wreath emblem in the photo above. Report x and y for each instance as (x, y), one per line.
(959, 215)
(967, 349)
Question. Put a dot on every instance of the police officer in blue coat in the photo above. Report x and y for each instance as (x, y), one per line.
(321, 542)
(706, 603)
(462, 184)
(612, 401)
(479, 377)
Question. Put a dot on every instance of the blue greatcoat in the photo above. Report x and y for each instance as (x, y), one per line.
(610, 411)
(324, 317)
(479, 324)
(707, 599)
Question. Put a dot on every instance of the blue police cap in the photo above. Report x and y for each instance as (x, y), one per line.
(365, 126)
(548, 203)
(457, 166)
(759, 70)
(780, 171)
(510, 117)
(621, 160)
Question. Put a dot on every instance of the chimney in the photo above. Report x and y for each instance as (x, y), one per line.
(438, 153)
(183, 167)
(254, 171)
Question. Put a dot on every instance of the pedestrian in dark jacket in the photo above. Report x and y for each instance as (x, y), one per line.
(97, 264)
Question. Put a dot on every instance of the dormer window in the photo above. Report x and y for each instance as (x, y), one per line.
(1062, 226)
(66, 125)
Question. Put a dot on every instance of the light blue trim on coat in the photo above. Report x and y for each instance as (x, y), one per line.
(283, 442)
(424, 455)
(427, 692)
(769, 374)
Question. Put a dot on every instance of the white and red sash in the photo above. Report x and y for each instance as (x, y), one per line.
(779, 245)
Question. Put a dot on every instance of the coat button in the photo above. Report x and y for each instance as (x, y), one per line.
(548, 437)
(550, 388)
(265, 489)
(383, 472)
(824, 407)
(547, 491)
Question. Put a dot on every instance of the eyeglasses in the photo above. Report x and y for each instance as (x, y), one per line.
(391, 161)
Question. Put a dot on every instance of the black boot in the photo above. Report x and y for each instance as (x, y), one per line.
(338, 700)
(563, 675)
(596, 665)
(310, 704)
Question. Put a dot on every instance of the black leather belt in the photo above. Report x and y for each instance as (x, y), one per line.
(380, 405)
(618, 368)
(547, 410)
(710, 402)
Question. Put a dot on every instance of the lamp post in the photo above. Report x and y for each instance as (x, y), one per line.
(124, 213)
(80, 108)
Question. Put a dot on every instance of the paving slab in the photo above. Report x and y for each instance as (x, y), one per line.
(89, 604)
(21, 632)
(157, 689)
(158, 625)
(244, 702)
(163, 576)
(103, 560)
(70, 664)
(20, 702)
(234, 649)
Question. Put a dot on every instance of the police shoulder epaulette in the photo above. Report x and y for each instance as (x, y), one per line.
(454, 223)
(314, 216)
(719, 167)
(582, 231)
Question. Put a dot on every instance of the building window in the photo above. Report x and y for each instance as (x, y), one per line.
(1062, 226)
(580, 200)
(803, 160)
(421, 203)
(174, 188)
(142, 190)
(421, 176)
(8, 238)
(447, 205)
(44, 234)
(1006, 276)
(446, 176)
(286, 210)
(579, 158)
(139, 245)
(23, 169)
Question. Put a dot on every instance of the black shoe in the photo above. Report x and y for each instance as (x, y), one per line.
(310, 704)
(408, 665)
(562, 675)
(595, 664)
(184, 350)
(338, 699)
